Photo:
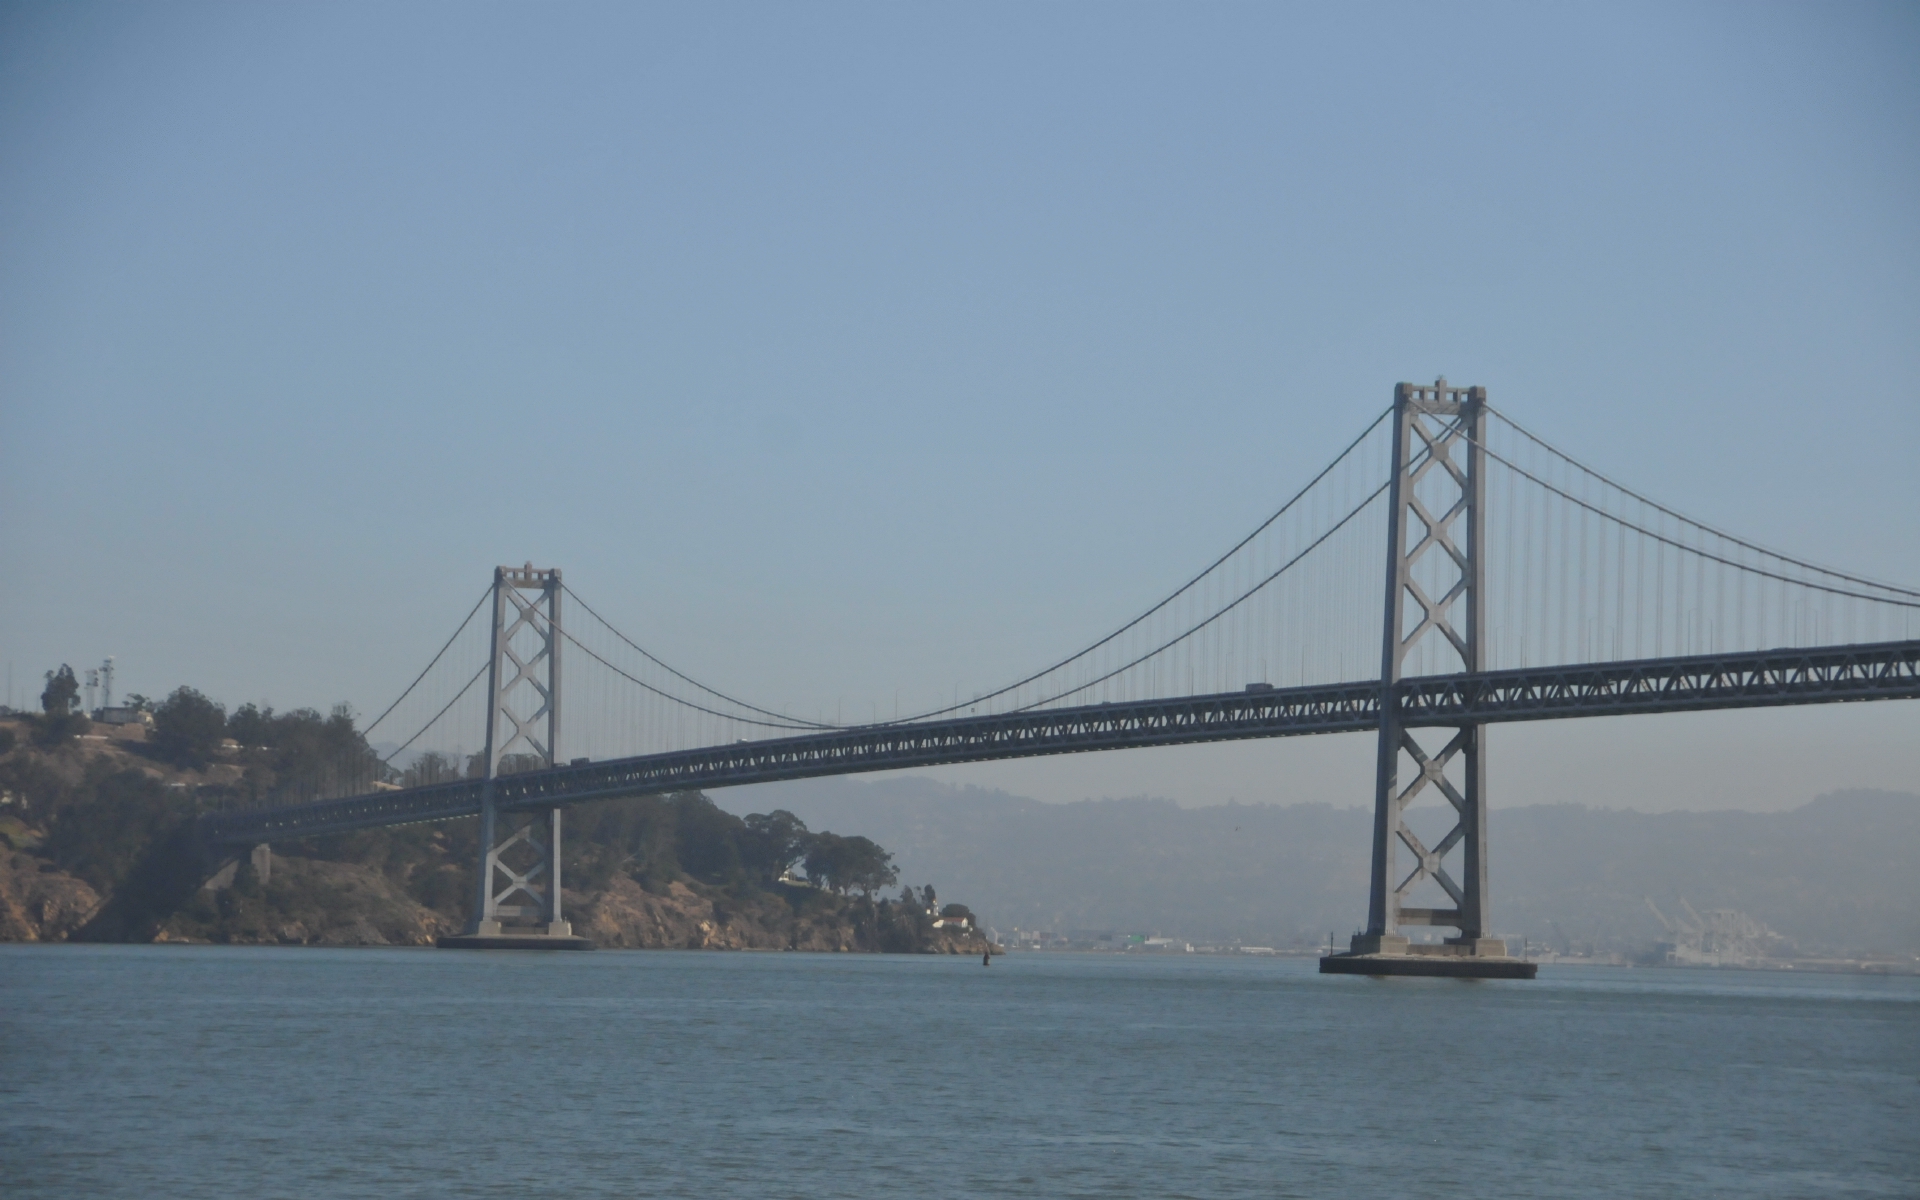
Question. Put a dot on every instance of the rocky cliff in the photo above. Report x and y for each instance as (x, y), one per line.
(39, 902)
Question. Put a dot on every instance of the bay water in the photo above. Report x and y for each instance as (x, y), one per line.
(154, 1071)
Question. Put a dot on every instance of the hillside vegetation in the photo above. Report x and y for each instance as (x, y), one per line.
(98, 843)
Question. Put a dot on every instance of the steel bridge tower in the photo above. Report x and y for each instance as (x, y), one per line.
(1435, 597)
(518, 898)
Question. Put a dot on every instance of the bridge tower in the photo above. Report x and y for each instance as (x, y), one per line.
(518, 898)
(1435, 597)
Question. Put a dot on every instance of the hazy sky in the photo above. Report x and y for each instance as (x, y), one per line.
(842, 352)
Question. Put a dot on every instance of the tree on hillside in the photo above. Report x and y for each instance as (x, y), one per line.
(849, 864)
(251, 726)
(187, 727)
(62, 690)
(516, 764)
(316, 757)
(705, 839)
(300, 755)
(59, 721)
(773, 843)
(429, 768)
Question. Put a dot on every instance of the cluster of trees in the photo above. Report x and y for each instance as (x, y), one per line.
(655, 839)
(290, 756)
(707, 843)
(297, 755)
(927, 902)
(434, 767)
(845, 864)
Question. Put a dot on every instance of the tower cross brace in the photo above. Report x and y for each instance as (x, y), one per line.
(1435, 596)
(518, 897)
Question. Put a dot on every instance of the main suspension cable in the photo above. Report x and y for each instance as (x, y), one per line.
(1707, 554)
(1682, 517)
(787, 721)
(1235, 603)
(1176, 594)
(465, 688)
(593, 654)
(795, 722)
(430, 666)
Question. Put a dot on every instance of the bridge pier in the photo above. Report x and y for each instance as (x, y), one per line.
(524, 865)
(1442, 574)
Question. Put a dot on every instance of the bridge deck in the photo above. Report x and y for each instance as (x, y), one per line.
(1882, 671)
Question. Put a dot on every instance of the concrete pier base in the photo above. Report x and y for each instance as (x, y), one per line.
(1421, 964)
(538, 941)
(491, 935)
(1458, 958)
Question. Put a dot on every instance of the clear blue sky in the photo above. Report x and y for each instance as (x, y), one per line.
(844, 350)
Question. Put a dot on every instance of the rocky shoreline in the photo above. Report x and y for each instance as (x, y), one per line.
(315, 902)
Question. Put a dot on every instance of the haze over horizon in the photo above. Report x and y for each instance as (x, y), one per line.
(859, 355)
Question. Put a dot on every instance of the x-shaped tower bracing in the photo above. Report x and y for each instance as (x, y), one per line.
(1434, 591)
(527, 616)
(523, 673)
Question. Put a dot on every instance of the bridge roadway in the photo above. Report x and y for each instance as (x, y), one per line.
(1881, 671)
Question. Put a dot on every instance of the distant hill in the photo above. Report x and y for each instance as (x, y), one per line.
(1834, 875)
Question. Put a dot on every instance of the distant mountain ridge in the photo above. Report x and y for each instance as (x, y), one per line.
(1833, 876)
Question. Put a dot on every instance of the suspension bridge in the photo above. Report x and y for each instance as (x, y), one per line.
(1520, 584)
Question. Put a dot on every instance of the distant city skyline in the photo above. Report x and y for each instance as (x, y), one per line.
(860, 352)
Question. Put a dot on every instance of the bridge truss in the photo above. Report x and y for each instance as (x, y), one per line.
(1839, 674)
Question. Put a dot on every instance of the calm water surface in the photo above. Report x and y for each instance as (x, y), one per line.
(156, 1071)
